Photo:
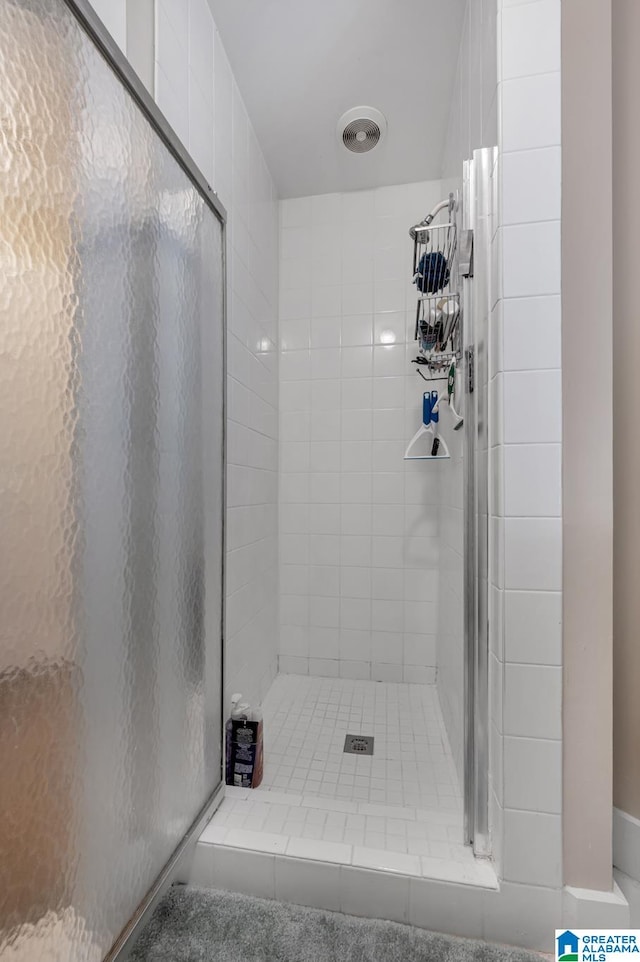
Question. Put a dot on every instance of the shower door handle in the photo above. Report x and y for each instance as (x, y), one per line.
(470, 356)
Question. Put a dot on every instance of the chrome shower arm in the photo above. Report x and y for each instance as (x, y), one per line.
(432, 215)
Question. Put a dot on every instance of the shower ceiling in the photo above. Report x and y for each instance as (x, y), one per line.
(300, 64)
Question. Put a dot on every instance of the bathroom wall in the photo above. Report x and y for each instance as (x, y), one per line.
(626, 199)
(195, 88)
(359, 546)
(587, 453)
(626, 444)
(508, 92)
(526, 431)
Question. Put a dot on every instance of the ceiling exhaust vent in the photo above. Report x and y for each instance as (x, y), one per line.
(361, 129)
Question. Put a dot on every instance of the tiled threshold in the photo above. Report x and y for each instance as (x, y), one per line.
(231, 828)
(372, 884)
(455, 897)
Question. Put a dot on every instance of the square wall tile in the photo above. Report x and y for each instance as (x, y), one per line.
(531, 259)
(444, 907)
(383, 672)
(420, 649)
(325, 394)
(531, 185)
(355, 613)
(533, 701)
(530, 39)
(533, 775)
(324, 642)
(326, 209)
(388, 392)
(355, 642)
(532, 403)
(355, 582)
(326, 332)
(387, 648)
(533, 480)
(356, 393)
(295, 212)
(241, 870)
(305, 882)
(533, 627)
(356, 361)
(292, 665)
(374, 894)
(387, 615)
(324, 667)
(295, 242)
(326, 301)
(355, 669)
(533, 848)
(389, 360)
(531, 332)
(533, 553)
(531, 112)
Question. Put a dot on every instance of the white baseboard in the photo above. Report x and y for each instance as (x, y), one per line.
(626, 843)
(589, 909)
(631, 889)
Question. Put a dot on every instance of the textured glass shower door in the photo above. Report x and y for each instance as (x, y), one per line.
(111, 489)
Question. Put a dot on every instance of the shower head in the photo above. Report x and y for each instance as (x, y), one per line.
(420, 230)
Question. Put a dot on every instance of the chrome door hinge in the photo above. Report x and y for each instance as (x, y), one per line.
(465, 254)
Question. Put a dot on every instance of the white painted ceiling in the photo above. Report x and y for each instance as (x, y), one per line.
(300, 64)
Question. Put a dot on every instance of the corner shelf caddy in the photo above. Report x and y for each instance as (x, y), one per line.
(438, 326)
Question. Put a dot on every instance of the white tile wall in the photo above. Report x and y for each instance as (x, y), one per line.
(511, 51)
(196, 90)
(531, 36)
(527, 439)
(530, 109)
(359, 527)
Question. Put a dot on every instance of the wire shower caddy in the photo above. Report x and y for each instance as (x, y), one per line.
(435, 273)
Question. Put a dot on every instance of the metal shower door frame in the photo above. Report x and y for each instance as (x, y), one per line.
(477, 217)
(95, 29)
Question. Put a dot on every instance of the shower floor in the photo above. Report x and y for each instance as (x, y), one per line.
(307, 719)
(399, 809)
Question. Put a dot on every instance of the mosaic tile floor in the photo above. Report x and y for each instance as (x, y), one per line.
(399, 810)
(306, 720)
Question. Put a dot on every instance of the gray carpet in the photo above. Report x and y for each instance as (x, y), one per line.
(197, 925)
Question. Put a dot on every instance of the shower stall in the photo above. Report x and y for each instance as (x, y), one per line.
(384, 544)
(112, 665)
(112, 361)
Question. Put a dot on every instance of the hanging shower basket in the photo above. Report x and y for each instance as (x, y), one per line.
(437, 329)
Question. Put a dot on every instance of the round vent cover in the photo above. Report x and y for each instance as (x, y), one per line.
(361, 128)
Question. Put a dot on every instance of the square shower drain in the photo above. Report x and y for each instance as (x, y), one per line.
(359, 744)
